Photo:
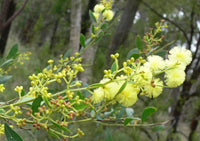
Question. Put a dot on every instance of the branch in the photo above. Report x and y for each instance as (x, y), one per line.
(191, 27)
(167, 19)
(15, 15)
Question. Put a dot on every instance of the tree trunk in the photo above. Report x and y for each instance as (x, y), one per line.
(74, 43)
(54, 33)
(5, 31)
(123, 28)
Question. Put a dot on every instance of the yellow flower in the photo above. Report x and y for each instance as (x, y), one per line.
(181, 55)
(108, 15)
(174, 77)
(99, 8)
(98, 95)
(172, 64)
(19, 89)
(96, 15)
(128, 96)
(50, 61)
(154, 89)
(2, 88)
(155, 63)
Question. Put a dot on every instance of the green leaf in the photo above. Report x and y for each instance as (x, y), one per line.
(129, 112)
(46, 101)
(121, 113)
(148, 112)
(158, 128)
(92, 16)
(36, 104)
(2, 111)
(60, 127)
(113, 67)
(127, 121)
(4, 79)
(99, 36)
(23, 93)
(133, 53)
(80, 106)
(161, 53)
(6, 63)
(139, 43)
(108, 136)
(81, 96)
(53, 134)
(104, 26)
(82, 40)
(93, 29)
(122, 87)
(96, 85)
(11, 135)
(13, 52)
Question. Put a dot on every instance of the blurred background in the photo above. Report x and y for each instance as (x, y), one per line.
(48, 28)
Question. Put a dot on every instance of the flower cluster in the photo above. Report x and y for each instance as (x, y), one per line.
(142, 77)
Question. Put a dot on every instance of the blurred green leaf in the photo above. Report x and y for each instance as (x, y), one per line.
(13, 52)
(96, 85)
(36, 104)
(53, 134)
(60, 127)
(46, 101)
(68, 53)
(6, 63)
(127, 121)
(161, 53)
(113, 67)
(80, 106)
(122, 87)
(4, 79)
(23, 93)
(104, 26)
(81, 96)
(108, 136)
(82, 40)
(139, 43)
(11, 135)
(158, 128)
(148, 112)
(2, 111)
(92, 16)
(133, 53)
(93, 29)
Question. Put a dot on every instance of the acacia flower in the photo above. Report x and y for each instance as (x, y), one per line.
(108, 15)
(19, 89)
(174, 77)
(128, 96)
(2, 88)
(181, 55)
(98, 95)
(155, 63)
(99, 8)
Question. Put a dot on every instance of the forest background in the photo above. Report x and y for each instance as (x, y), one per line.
(49, 28)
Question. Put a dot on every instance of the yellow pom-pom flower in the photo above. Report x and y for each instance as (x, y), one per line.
(174, 77)
(181, 55)
(155, 63)
(99, 8)
(173, 64)
(98, 95)
(19, 89)
(154, 89)
(128, 96)
(2, 88)
(108, 15)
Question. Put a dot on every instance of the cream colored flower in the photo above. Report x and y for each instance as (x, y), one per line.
(155, 63)
(108, 15)
(154, 89)
(98, 95)
(99, 8)
(128, 96)
(96, 15)
(181, 55)
(174, 77)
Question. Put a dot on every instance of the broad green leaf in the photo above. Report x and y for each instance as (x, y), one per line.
(113, 67)
(60, 127)
(4, 79)
(46, 101)
(148, 112)
(53, 134)
(92, 16)
(108, 136)
(104, 26)
(23, 93)
(93, 29)
(13, 52)
(133, 53)
(158, 128)
(36, 104)
(11, 135)
(122, 87)
(161, 53)
(80, 106)
(81, 96)
(2, 111)
(129, 112)
(139, 43)
(82, 40)
(6, 63)
(127, 121)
